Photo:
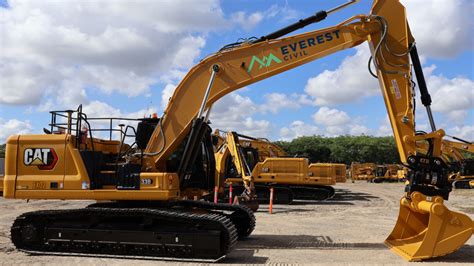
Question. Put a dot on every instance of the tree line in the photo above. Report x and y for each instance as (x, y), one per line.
(343, 149)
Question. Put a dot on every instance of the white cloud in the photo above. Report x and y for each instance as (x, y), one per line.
(298, 129)
(234, 112)
(328, 122)
(451, 97)
(166, 94)
(331, 117)
(274, 102)
(441, 28)
(113, 46)
(98, 109)
(385, 128)
(357, 130)
(250, 21)
(247, 22)
(350, 82)
(13, 127)
(285, 13)
(464, 132)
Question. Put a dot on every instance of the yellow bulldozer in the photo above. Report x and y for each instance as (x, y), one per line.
(150, 181)
(291, 178)
(363, 171)
(387, 173)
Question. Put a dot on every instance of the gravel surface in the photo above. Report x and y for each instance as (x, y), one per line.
(348, 229)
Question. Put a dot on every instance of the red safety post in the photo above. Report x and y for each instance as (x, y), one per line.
(216, 190)
(270, 206)
(230, 193)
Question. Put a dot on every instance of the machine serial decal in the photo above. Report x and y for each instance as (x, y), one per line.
(264, 62)
(43, 158)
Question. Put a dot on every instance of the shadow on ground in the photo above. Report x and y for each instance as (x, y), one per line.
(301, 242)
(464, 254)
(246, 248)
(342, 197)
(244, 256)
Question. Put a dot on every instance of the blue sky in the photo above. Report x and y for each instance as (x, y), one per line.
(73, 58)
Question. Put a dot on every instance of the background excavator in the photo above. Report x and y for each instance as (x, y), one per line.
(171, 157)
(461, 169)
(239, 156)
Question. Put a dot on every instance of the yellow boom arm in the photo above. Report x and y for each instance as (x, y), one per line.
(425, 227)
(231, 69)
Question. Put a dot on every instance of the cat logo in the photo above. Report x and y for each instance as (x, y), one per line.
(43, 158)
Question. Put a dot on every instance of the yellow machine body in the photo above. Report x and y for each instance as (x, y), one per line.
(270, 168)
(402, 174)
(68, 178)
(294, 171)
(392, 171)
(363, 171)
(341, 169)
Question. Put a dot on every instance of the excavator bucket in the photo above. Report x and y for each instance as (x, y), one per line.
(426, 228)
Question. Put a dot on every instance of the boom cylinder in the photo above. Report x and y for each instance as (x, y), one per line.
(321, 15)
(425, 95)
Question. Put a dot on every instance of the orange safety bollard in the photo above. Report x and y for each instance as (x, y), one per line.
(216, 190)
(230, 194)
(270, 206)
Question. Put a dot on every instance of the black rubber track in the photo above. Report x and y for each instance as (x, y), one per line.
(462, 184)
(241, 216)
(148, 233)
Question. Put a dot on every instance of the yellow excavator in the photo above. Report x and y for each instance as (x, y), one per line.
(170, 159)
(242, 157)
(363, 171)
(462, 168)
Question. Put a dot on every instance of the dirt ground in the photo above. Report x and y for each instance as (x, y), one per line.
(348, 229)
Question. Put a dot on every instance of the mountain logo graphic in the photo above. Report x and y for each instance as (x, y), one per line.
(43, 158)
(266, 61)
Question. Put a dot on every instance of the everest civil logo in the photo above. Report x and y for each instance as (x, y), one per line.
(264, 62)
(43, 158)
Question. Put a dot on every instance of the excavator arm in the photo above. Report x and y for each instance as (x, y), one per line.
(236, 67)
(387, 32)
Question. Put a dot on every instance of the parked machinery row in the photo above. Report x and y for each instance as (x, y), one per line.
(265, 164)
